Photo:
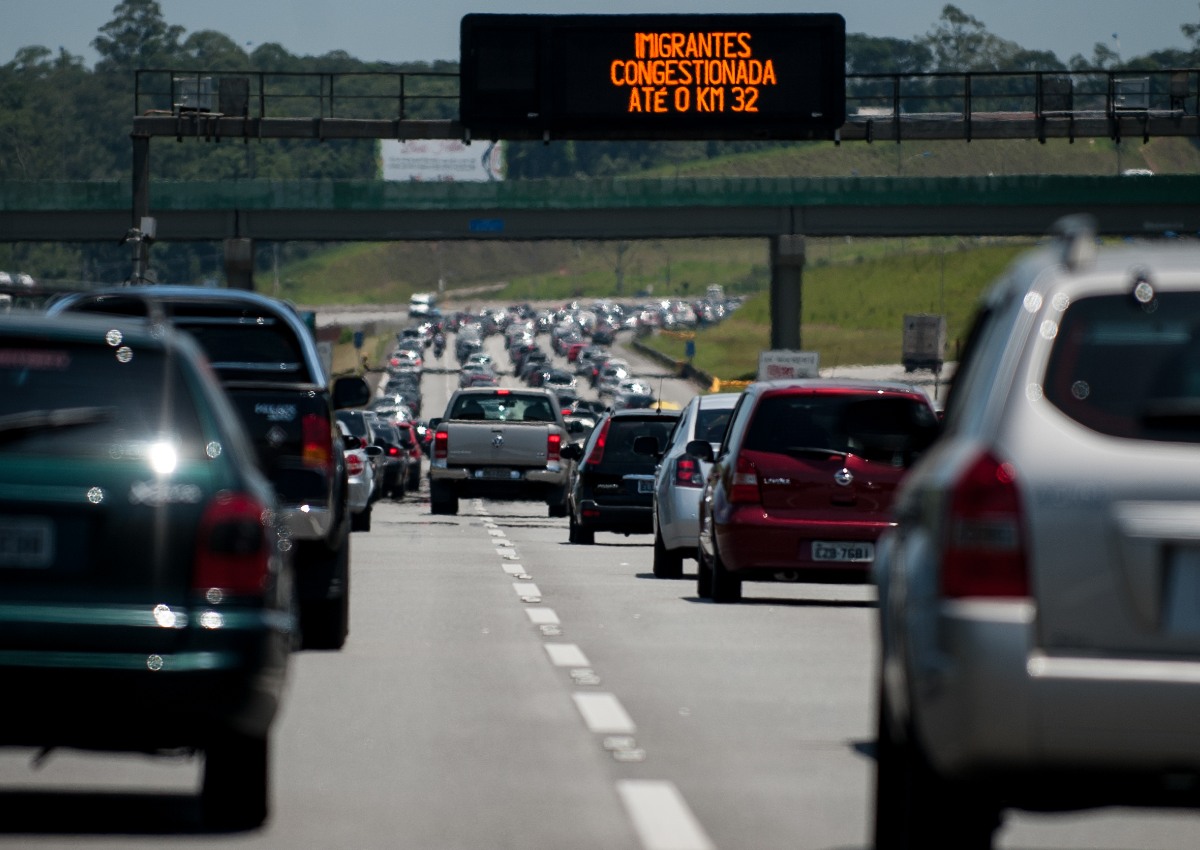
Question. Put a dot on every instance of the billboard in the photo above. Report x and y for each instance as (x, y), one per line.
(773, 365)
(731, 76)
(432, 160)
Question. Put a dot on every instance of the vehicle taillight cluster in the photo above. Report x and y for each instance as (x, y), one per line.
(318, 441)
(745, 482)
(354, 464)
(688, 472)
(553, 446)
(597, 453)
(984, 548)
(232, 551)
(441, 444)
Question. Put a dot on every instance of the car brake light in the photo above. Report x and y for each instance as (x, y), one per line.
(232, 555)
(687, 473)
(318, 441)
(553, 446)
(393, 451)
(985, 552)
(354, 464)
(597, 453)
(745, 482)
(441, 444)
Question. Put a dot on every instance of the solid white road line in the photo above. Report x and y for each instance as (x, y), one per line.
(604, 714)
(661, 816)
(566, 655)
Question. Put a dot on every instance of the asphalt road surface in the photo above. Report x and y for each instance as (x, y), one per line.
(502, 688)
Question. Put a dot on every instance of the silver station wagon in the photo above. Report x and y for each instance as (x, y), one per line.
(1040, 594)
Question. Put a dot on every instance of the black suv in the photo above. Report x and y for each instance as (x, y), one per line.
(612, 485)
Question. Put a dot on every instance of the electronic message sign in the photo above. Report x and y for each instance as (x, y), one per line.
(771, 76)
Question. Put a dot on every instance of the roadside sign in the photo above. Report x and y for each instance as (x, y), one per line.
(778, 364)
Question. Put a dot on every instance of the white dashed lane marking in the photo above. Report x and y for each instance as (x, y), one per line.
(661, 817)
(604, 714)
(566, 655)
(542, 616)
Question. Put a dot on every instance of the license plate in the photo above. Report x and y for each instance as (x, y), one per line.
(645, 486)
(26, 542)
(851, 552)
(495, 473)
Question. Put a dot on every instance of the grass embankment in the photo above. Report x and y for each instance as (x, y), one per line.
(851, 314)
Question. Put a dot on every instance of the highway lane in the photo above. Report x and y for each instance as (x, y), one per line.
(503, 688)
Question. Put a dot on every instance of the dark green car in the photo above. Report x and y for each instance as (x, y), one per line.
(146, 599)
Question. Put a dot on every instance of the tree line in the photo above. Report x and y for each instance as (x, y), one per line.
(61, 120)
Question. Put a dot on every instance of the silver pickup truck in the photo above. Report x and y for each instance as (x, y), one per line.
(499, 444)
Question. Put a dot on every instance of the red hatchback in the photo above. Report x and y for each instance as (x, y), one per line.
(802, 486)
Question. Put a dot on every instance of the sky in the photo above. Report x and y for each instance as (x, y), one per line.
(399, 31)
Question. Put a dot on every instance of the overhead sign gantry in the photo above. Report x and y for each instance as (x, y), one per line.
(746, 76)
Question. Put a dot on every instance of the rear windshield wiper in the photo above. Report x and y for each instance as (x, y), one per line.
(13, 425)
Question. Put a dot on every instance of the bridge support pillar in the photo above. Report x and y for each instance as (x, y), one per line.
(239, 263)
(141, 208)
(787, 272)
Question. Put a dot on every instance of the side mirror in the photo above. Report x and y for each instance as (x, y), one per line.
(350, 391)
(701, 449)
(433, 424)
(572, 451)
(373, 451)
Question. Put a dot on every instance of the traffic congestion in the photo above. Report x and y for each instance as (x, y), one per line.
(518, 583)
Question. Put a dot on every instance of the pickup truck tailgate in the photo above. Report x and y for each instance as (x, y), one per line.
(497, 444)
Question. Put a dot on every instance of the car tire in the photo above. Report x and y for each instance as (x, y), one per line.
(414, 482)
(667, 564)
(235, 789)
(361, 521)
(726, 587)
(325, 623)
(442, 499)
(917, 808)
(581, 535)
(703, 576)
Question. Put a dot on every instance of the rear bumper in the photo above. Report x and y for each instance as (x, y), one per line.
(986, 702)
(537, 484)
(751, 541)
(307, 521)
(232, 679)
(628, 519)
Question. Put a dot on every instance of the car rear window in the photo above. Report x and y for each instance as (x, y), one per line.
(891, 429)
(710, 424)
(618, 442)
(510, 407)
(263, 346)
(1127, 369)
(75, 400)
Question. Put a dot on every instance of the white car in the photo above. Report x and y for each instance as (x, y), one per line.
(679, 481)
(360, 476)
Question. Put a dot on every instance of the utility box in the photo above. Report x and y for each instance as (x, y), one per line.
(924, 342)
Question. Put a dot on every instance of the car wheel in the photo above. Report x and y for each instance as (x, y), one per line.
(915, 807)
(235, 787)
(414, 482)
(442, 499)
(667, 564)
(361, 521)
(726, 587)
(579, 534)
(703, 576)
(325, 623)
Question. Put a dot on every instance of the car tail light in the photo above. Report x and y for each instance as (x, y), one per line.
(597, 453)
(441, 444)
(688, 472)
(232, 555)
(985, 552)
(393, 451)
(553, 446)
(745, 482)
(318, 441)
(354, 464)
